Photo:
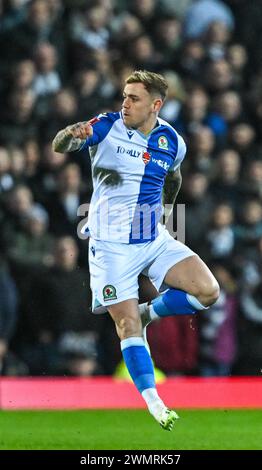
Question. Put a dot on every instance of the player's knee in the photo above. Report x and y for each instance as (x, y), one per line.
(129, 326)
(209, 293)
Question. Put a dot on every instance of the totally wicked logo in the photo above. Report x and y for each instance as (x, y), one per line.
(131, 152)
(146, 157)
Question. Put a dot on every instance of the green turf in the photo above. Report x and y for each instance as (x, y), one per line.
(129, 430)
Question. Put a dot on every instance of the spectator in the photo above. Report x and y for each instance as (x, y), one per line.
(195, 112)
(47, 80)
(142, 53)
(237, 57)
(218, 330)
(176, 96)
(18, 122)
(64, 103)
(218, 76)
(23, 75)
(18, 204)
(125, 27)
(242, 138)
(6, 179)
(36, 27)
(93, 30)
(249, 230)
(220, 236)
(57, 328)
(34, 239)
(201, 149)
(167, 38)
(66, 61)
(88, 85)
(252, 185)
(146, 12)
(44, 180)
(182, 355)
(202, 13)
(18, 163)
(191, 59)
(228, 104)
(226, 178)
(8, 319)
(215, 39)
(63, 204)
(32, 158)
(198, 205)
(250, 333)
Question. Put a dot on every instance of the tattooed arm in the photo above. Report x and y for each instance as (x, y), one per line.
(72, 137)
(170, 191)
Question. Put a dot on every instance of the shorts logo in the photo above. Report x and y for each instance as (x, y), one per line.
(146, 157)
(163, 142)
(109, 293)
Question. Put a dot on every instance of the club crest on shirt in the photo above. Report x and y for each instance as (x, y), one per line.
(109, 292)
(163, 142)
(146, 157)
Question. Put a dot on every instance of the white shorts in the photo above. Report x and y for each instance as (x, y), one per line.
(115, 267)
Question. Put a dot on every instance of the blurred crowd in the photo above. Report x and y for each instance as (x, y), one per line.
(63, 61)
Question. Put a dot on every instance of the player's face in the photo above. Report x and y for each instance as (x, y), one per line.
(138, 105)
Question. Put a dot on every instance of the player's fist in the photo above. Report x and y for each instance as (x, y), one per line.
(80, 130)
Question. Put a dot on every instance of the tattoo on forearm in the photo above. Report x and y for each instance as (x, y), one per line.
(65, 142)
(171, 187)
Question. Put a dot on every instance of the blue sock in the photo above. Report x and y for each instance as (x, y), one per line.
(176, 302)
(138, 362)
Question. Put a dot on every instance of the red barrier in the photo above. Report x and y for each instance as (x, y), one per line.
(77, 393)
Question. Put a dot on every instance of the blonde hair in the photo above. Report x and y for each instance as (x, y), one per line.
(153, 82)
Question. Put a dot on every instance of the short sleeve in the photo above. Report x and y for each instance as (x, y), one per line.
(181, 152)
(102, 125)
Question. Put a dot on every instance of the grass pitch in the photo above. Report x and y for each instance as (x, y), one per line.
(129, 430)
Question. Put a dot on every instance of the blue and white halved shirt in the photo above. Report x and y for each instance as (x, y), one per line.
(129, 170)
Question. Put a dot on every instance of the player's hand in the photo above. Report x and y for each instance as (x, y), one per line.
(80, 130)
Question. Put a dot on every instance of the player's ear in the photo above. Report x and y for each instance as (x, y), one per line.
(157, 104)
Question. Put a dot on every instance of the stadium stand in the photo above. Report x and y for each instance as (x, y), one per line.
(65, 61)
